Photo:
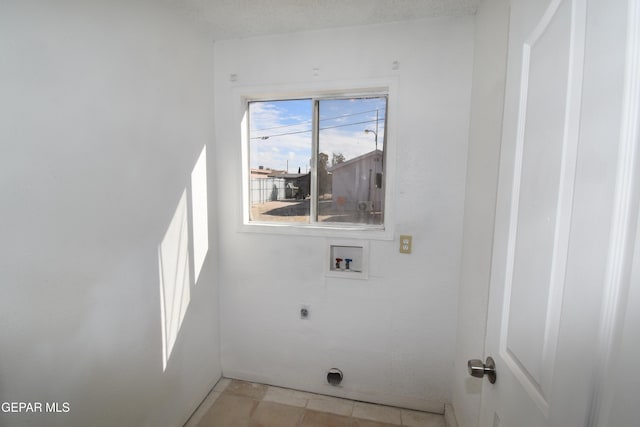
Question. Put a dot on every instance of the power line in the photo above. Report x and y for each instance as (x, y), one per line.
(309, 130)
(322, 120)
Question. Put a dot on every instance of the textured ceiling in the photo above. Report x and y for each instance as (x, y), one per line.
(229, 19)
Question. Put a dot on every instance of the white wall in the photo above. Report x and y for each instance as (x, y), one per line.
(106, 108)
(485, 131)
(394, 334)
(622, 409)
(617, 73)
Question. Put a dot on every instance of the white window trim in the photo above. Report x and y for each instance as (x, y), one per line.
(386, 87)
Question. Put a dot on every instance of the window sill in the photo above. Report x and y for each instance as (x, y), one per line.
(336, 231)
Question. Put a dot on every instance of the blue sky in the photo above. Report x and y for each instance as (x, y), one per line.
(280, 131)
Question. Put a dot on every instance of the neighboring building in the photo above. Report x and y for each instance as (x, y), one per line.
(297, 185)
(268, 185)
(357, 183)
(261, 172)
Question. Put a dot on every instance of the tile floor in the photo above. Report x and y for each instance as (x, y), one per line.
(234, 403)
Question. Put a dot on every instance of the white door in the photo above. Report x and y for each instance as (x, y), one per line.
(558, 196)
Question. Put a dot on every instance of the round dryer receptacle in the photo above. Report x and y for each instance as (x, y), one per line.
(334, 376)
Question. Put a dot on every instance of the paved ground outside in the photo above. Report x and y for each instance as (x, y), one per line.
(298, 211)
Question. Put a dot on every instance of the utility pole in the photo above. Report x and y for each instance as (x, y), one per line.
(377, 129)
(374, 132)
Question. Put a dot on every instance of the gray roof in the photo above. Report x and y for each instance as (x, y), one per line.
(355, 160)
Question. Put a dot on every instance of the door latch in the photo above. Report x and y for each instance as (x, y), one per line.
(478, 369)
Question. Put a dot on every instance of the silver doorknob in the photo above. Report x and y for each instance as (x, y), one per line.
(479, 369)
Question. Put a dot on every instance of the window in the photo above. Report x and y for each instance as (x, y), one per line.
(318, 161)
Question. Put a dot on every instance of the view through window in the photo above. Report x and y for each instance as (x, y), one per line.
(317, 160)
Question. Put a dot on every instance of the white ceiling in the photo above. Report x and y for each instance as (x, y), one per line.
(230, 19)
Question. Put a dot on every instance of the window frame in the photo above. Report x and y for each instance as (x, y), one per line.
(371, 89)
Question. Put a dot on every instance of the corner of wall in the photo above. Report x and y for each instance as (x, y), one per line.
(491, 35)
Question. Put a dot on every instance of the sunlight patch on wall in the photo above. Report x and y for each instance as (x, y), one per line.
(173, 259)
(199, 215)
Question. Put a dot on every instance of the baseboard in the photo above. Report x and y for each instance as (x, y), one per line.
(407, 402)
(450, 416)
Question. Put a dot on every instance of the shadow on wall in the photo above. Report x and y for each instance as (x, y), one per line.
(187, 234)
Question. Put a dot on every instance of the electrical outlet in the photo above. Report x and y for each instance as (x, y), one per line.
(405, 244)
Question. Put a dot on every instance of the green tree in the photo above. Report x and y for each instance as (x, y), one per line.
(337, 158)
(324, 179)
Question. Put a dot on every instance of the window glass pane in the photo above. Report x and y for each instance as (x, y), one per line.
(279, 155)
(351, 160)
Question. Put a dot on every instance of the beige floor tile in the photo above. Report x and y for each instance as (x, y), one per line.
(211, 399)
(246, 389)
(286, 396)
(229, 411)
(269, 414)
(382, 414)
(324, 419)
(222, 384)
(421, 419)
(333, 405)
(204, 407)
(357, 422)
(235, 403)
